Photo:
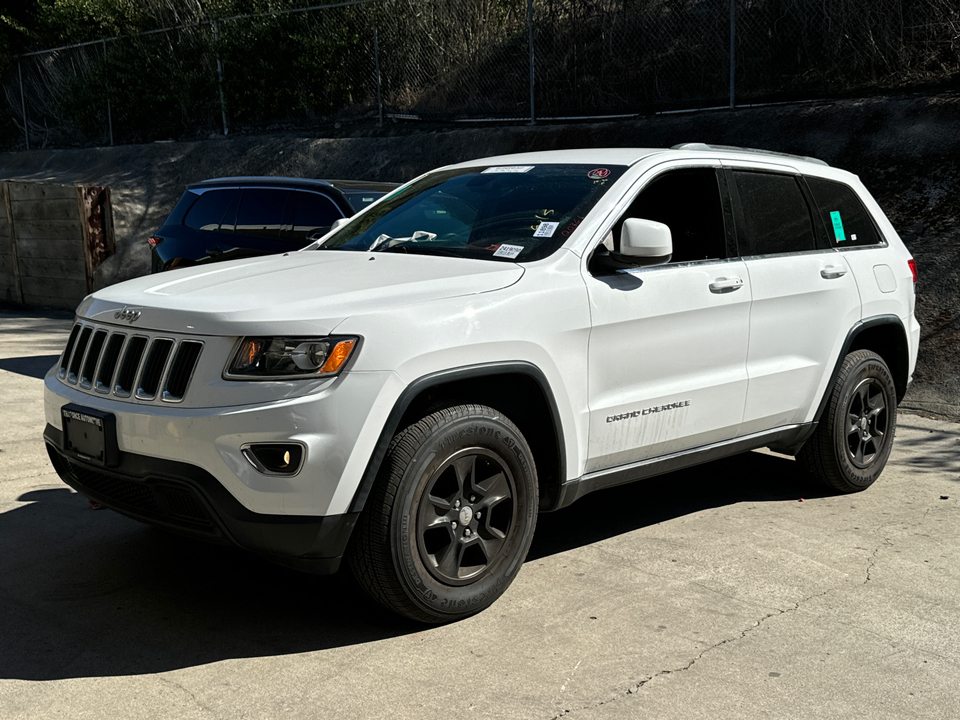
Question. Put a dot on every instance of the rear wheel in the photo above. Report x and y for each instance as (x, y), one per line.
(451, 518)
(851, 444)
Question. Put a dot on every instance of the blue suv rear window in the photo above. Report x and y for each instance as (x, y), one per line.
(207, 212)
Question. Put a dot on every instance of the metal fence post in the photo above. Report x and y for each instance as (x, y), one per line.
(223, 104)
(733, 55)
(376, 65)
(107, 88)
(533, 109)
(23, 106)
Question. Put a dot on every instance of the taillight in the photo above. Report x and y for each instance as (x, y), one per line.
(154, 241)
(913, 268)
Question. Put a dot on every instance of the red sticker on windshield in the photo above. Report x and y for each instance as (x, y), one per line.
(598, 174)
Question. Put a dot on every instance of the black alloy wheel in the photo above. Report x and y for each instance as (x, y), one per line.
(466, 515)
(853, 440)
(451, 517)
(866, 422)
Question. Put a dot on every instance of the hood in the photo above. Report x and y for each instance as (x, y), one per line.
(303, 292)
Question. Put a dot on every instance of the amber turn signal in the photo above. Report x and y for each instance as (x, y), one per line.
(338, 356)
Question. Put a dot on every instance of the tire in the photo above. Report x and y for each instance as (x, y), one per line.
(850, 446)
(451, 516)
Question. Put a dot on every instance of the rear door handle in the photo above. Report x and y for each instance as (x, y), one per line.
(726, 285)
(832, 272)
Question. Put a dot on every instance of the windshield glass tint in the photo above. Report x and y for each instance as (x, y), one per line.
(512, 213)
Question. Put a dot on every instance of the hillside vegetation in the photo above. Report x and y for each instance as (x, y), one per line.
(149, 70)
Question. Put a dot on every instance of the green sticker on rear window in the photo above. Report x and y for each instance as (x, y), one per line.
(837, 226)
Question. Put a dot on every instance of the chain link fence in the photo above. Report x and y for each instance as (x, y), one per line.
(473, 60)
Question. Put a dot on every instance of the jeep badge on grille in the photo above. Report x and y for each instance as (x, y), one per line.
(129, 314)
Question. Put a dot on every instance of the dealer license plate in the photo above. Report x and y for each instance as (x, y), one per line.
(90, 434)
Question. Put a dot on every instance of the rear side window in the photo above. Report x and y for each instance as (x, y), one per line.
(208, 211)
(775, 217)
(261, 212)
(847, 221)
(312, 213)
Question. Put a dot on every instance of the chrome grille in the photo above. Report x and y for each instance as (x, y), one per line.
(79, 351)
(180, 371)
(153, 369)
(93, 354)
(128, 365)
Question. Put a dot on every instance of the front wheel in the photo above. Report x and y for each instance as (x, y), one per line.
(451, 518)
(851, 444)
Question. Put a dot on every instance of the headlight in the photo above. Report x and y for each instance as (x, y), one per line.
(276, 358)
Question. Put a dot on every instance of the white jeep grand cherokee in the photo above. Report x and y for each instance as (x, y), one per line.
(492, 340)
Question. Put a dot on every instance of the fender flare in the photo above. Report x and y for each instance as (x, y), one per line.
(442, 377)
(845, 350)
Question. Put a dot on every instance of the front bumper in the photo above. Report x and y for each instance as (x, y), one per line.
(337, 424)
(189, 500)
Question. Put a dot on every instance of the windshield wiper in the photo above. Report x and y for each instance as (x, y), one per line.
(424, 250)
(385, 242)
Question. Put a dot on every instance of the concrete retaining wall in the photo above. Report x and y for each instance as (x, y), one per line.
(52, 240)
(906, 149)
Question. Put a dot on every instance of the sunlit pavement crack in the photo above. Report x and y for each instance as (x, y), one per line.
(193, 697)
(34, 476)
(887, 543)
(634, 689)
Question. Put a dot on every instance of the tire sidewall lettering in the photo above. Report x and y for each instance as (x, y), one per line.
(421, 586)
(868, 369)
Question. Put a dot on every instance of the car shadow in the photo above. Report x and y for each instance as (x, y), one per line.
(750, 477)
(89, 593)
(35, 366)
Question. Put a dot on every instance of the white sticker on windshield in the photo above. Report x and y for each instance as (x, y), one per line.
(508, 169)
(546, 229)
(508, 251)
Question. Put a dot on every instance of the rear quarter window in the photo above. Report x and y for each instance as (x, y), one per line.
(848, 223)
(208, 211)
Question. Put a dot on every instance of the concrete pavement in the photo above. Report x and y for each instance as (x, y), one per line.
(732, 590)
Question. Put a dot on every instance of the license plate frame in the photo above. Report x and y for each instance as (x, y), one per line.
(90, 435)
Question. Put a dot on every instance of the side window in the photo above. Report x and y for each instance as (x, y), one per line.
(261, 212)
(775, 217)
(847, 221)
(312, 213)
(688, 202)
(208, 211)
(229, 222)
(359, 200)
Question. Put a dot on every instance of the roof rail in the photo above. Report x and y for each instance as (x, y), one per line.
(732, 148)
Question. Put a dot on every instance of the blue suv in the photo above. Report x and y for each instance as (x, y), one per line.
(233, 217)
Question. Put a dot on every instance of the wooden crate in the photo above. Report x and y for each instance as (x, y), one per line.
(52, 240)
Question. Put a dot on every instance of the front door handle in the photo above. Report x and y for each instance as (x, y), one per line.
(726, 285)
(832, 272)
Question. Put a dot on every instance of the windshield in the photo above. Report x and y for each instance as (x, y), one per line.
(511, 213)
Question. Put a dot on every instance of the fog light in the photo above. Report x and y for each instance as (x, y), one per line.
(274, 458)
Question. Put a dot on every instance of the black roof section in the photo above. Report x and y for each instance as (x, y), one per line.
(303, 183)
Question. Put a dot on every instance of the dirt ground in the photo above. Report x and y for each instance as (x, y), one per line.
(906, 149)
